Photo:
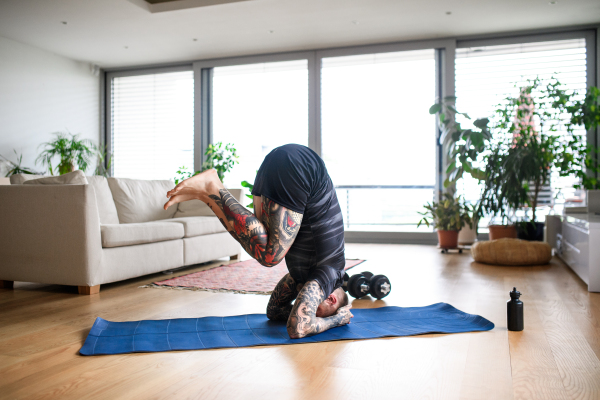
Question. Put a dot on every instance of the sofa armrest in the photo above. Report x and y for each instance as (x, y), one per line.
(50, 234)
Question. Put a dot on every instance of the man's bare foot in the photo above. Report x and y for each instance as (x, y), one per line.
(197, 187)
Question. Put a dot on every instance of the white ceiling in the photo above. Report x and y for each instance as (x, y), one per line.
(118, 33)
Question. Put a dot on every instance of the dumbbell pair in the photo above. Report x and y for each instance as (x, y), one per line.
(360, 285)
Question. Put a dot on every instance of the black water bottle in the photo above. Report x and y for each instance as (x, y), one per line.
(514, 308)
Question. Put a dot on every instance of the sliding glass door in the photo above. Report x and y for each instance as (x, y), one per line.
(258, 107)
(378, 139)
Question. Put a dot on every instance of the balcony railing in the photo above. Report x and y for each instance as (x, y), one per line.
(383, 207)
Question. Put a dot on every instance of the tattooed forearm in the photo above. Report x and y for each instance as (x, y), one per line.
(268, 240)
(280, 303)
(303, 320)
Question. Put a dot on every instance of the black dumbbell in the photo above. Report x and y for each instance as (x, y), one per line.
(360, 285)
(380, 286)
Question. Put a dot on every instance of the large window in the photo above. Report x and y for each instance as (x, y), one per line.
(378, 139)
(486, 75)
(363, 109)
(259, 107)
(152, 124)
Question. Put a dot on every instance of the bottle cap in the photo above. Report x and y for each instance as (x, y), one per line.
(515, 294)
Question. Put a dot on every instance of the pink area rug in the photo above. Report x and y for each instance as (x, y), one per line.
(241, 277)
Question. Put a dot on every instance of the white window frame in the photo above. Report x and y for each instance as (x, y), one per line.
(108, 98)
(445, 84)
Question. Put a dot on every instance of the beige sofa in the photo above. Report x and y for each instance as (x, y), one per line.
(104, 231)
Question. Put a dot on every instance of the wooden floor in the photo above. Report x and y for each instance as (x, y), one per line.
(556, 356)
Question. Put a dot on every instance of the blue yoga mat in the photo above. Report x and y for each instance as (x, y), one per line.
(257, 330)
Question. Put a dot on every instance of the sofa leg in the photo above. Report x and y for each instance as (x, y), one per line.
(234, 257)
(6, 284)
(88, 290)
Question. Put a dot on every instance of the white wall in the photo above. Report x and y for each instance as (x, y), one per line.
(41, 93)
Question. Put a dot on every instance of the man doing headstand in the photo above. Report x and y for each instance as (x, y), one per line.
(296, 216)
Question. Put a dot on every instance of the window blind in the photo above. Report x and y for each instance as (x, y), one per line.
(486, 75)
(259, 107)
(152, 124)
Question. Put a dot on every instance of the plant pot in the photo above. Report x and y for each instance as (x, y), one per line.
(448, 239)
(467, 235)
(531, 231)
(502, 231)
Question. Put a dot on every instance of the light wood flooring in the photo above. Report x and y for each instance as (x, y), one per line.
(556, 357)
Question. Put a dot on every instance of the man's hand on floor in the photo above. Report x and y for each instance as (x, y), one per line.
(345, 313)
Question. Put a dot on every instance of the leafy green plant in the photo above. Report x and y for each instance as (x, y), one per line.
(530, 128)
(466, 145)
(577, 158)
(466, 148)
(70, 149)
(104, 163)
(522, 145)
(249, 186)
(183, 174)
(533, 122)
(16, 167)
(493, 199)
(450, 214)
(219, 157)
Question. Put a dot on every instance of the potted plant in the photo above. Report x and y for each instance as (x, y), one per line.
(524, 150)
(448, 217)
(71, 151)
(16, 168)
(530, 153)
(540, 126)
(476, 152)
(495, 201)
(465, 149)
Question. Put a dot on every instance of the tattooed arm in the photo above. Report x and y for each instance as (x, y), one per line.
(280, 303)
(266, 240)
(303, 320)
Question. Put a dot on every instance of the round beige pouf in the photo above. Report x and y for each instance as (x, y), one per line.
(512, 252)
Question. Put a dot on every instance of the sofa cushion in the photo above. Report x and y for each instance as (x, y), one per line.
(106, 205)
(140, 201)
(200, 226)
(118, 235)
(72, 178)
(18, 179)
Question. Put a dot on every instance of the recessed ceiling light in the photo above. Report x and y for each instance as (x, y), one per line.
(126, 47)
(195, 40)
(448, 12)
(271, 31)
(355, 22)
(64, 22)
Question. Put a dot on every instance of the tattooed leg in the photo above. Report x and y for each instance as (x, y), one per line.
(199, 187)
(280, 303)
(303, 320)
(266, 239)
